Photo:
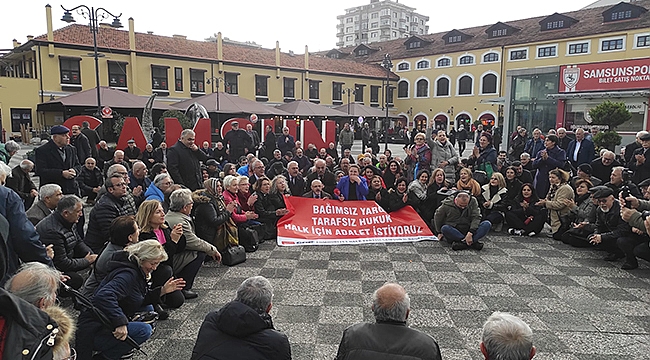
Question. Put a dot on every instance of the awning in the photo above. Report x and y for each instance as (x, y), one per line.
(601, 95)
(224, 103)
(363, 110)
(115, 99)
(307, 108)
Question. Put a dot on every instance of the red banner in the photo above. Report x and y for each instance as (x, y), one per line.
(332, 222)
(611, 75)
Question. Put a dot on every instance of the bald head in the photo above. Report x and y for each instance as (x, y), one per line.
(391, 303)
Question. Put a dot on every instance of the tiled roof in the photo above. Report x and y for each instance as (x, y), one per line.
(110, 38)
(590, 22)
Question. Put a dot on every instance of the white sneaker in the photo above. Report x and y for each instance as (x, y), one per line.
(532, 233)
(511, 231)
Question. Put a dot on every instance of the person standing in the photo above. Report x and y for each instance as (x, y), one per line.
(237, 141)
(183, 161)
(57, 161)
(93, 138)
(286, 142)
(365, 136)
(461, 136)
(346, 137)
(255, 139)
(80, 142)
(546, 160)
(269, 142)
(580, 151)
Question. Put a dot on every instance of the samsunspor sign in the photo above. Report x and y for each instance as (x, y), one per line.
(615, 75)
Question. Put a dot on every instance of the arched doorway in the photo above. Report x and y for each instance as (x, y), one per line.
(465, 120)
(440, 122)
(487, 120)
(420, 122)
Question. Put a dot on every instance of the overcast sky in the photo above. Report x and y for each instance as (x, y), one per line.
(294, 23)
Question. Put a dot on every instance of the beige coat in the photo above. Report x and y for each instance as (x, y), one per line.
(194, 243)
(556, 205)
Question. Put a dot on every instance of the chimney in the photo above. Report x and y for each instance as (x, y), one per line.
(175, 36)
(131, 34)
(16, 43)
(30, 37)
(50, 32)
(277, 59)
(306, 57)
(219, 47)
(150, 32)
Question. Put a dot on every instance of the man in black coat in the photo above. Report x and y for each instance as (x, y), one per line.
(57, 161)
(602, 167)
(131, 152)
(639, 162)
(321, 173)
(243, 328)
(105, 211)
(90, 180)
(183, 161)
(80, 142)
(237, 142)
(22, 184)
(389, 337)
(295, 181)
(93, 137)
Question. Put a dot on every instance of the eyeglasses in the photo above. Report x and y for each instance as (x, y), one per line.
(602, 201)
(119, 185)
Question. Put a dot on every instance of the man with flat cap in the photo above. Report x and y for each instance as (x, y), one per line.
(640, 162)
(237, 141)
(584, 173)
(57, 161)
(389, 337)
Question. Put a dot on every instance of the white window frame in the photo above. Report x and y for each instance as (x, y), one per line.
(408, 87)
(588, 41)
(403, 62)
(480, 89)
(600, 44)
(435, 87)
(444, 57)
(510, 51)
(458, 84)
(467, 54)
(636, 37)
(425, 68)
(415, 88)
(490, 52)
(546, 46)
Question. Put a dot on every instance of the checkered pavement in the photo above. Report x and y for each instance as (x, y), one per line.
(579, 306)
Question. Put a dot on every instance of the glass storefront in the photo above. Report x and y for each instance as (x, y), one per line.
(529, 106)
(577, 113)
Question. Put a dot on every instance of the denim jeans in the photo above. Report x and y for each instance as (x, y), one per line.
(452, 234)
(111, 348)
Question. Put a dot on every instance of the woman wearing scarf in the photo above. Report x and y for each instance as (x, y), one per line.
(398, 197)
(437, 182)
(418, 157)
(211, 213)
(369, 172)
(466, 182)
(417, 194)
(391, 174)
(551, 157)
(583, 213)
(556, 199)
(377, 192)
(524, 216)
(246, 199)
(484, 155)
(493, 200)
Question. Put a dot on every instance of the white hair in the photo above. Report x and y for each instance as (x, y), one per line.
(396, 311)
(26, 165)
(228, 180)
(256, 292)
(160, 178)
(11, 146)
(48, 190)
(179, 199)
(507, 337)
(5, 171)
(40, 282)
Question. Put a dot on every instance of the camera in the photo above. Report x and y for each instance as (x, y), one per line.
(645, 214)
(639, 151)
(625, 192)
(627, 175)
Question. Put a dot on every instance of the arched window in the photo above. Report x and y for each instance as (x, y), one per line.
(489, 84)
(403, 89)
(466, 60)
(423, 64)
(442, 87)
(403, 66)
(444, 62)
(491, 57)
(422, 88)
(465, 85)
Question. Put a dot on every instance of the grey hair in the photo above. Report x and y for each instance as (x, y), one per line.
(48, 190)
(40, 282)
(11, 146)
(186, 132)
(398, 310)
(67, 203)
(114, 169)
(641, 133)
(139, 163)
(256, 292)
(146, 250)
(228, 180)
(179, 199)
(5, 171)
(160, 178)
(26, 165)
(524, 155)
(507, 337)
(274, 183)
(118, 152)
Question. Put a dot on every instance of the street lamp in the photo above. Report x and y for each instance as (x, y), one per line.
(217, 80)
(349, 91)
(94, 16)
(387, 64)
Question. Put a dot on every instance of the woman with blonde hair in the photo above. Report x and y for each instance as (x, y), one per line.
(466, 182)
(151, 220)
(559, 200)
(493, 200)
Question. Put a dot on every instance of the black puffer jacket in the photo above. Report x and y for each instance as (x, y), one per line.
(265, 207)
(88, 180)
(105, 211)
(236, 331)
(69, 249)
(208, 215)
(386, 340)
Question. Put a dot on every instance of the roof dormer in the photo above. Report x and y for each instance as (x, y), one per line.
(623, 11)
(556, 21)
(500, 30)
(363, 50)
(415, 42)
(336, 54)
(455, 36)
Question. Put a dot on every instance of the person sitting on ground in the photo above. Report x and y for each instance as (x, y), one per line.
(484, 155)
(522, 174)
(123, 293)
(211, 213)
(512, 184)
(123, 231)
(151, 220)
(389, 337)
(494, 200)
(160, 188)
(148, 156)
(49, 197)
(526, 162)
(246, 198)
(583, 213)
(317, 190)
(466, 182)
(437, 182)
(584, 172)
(267, 210)
(378, 193)
(242, 329)
(71, 255)
(352, 186)
(524, 216)
(458, 221)
(231, 187)
(132, 152)
(187, 263)
(118, 158)
(157, 168)
(559, 195)
(391, 174)
(109, 207)
(229, 169)
(138, 176)
(417, 195)
(619, 178)
(630, 214)
(602, 166)
(21, 182)
(90, 180)
(398, 197)
(323, 174)
(506, 336)
(369, 172)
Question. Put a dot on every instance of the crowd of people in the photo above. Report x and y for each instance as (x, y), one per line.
(158, 214)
